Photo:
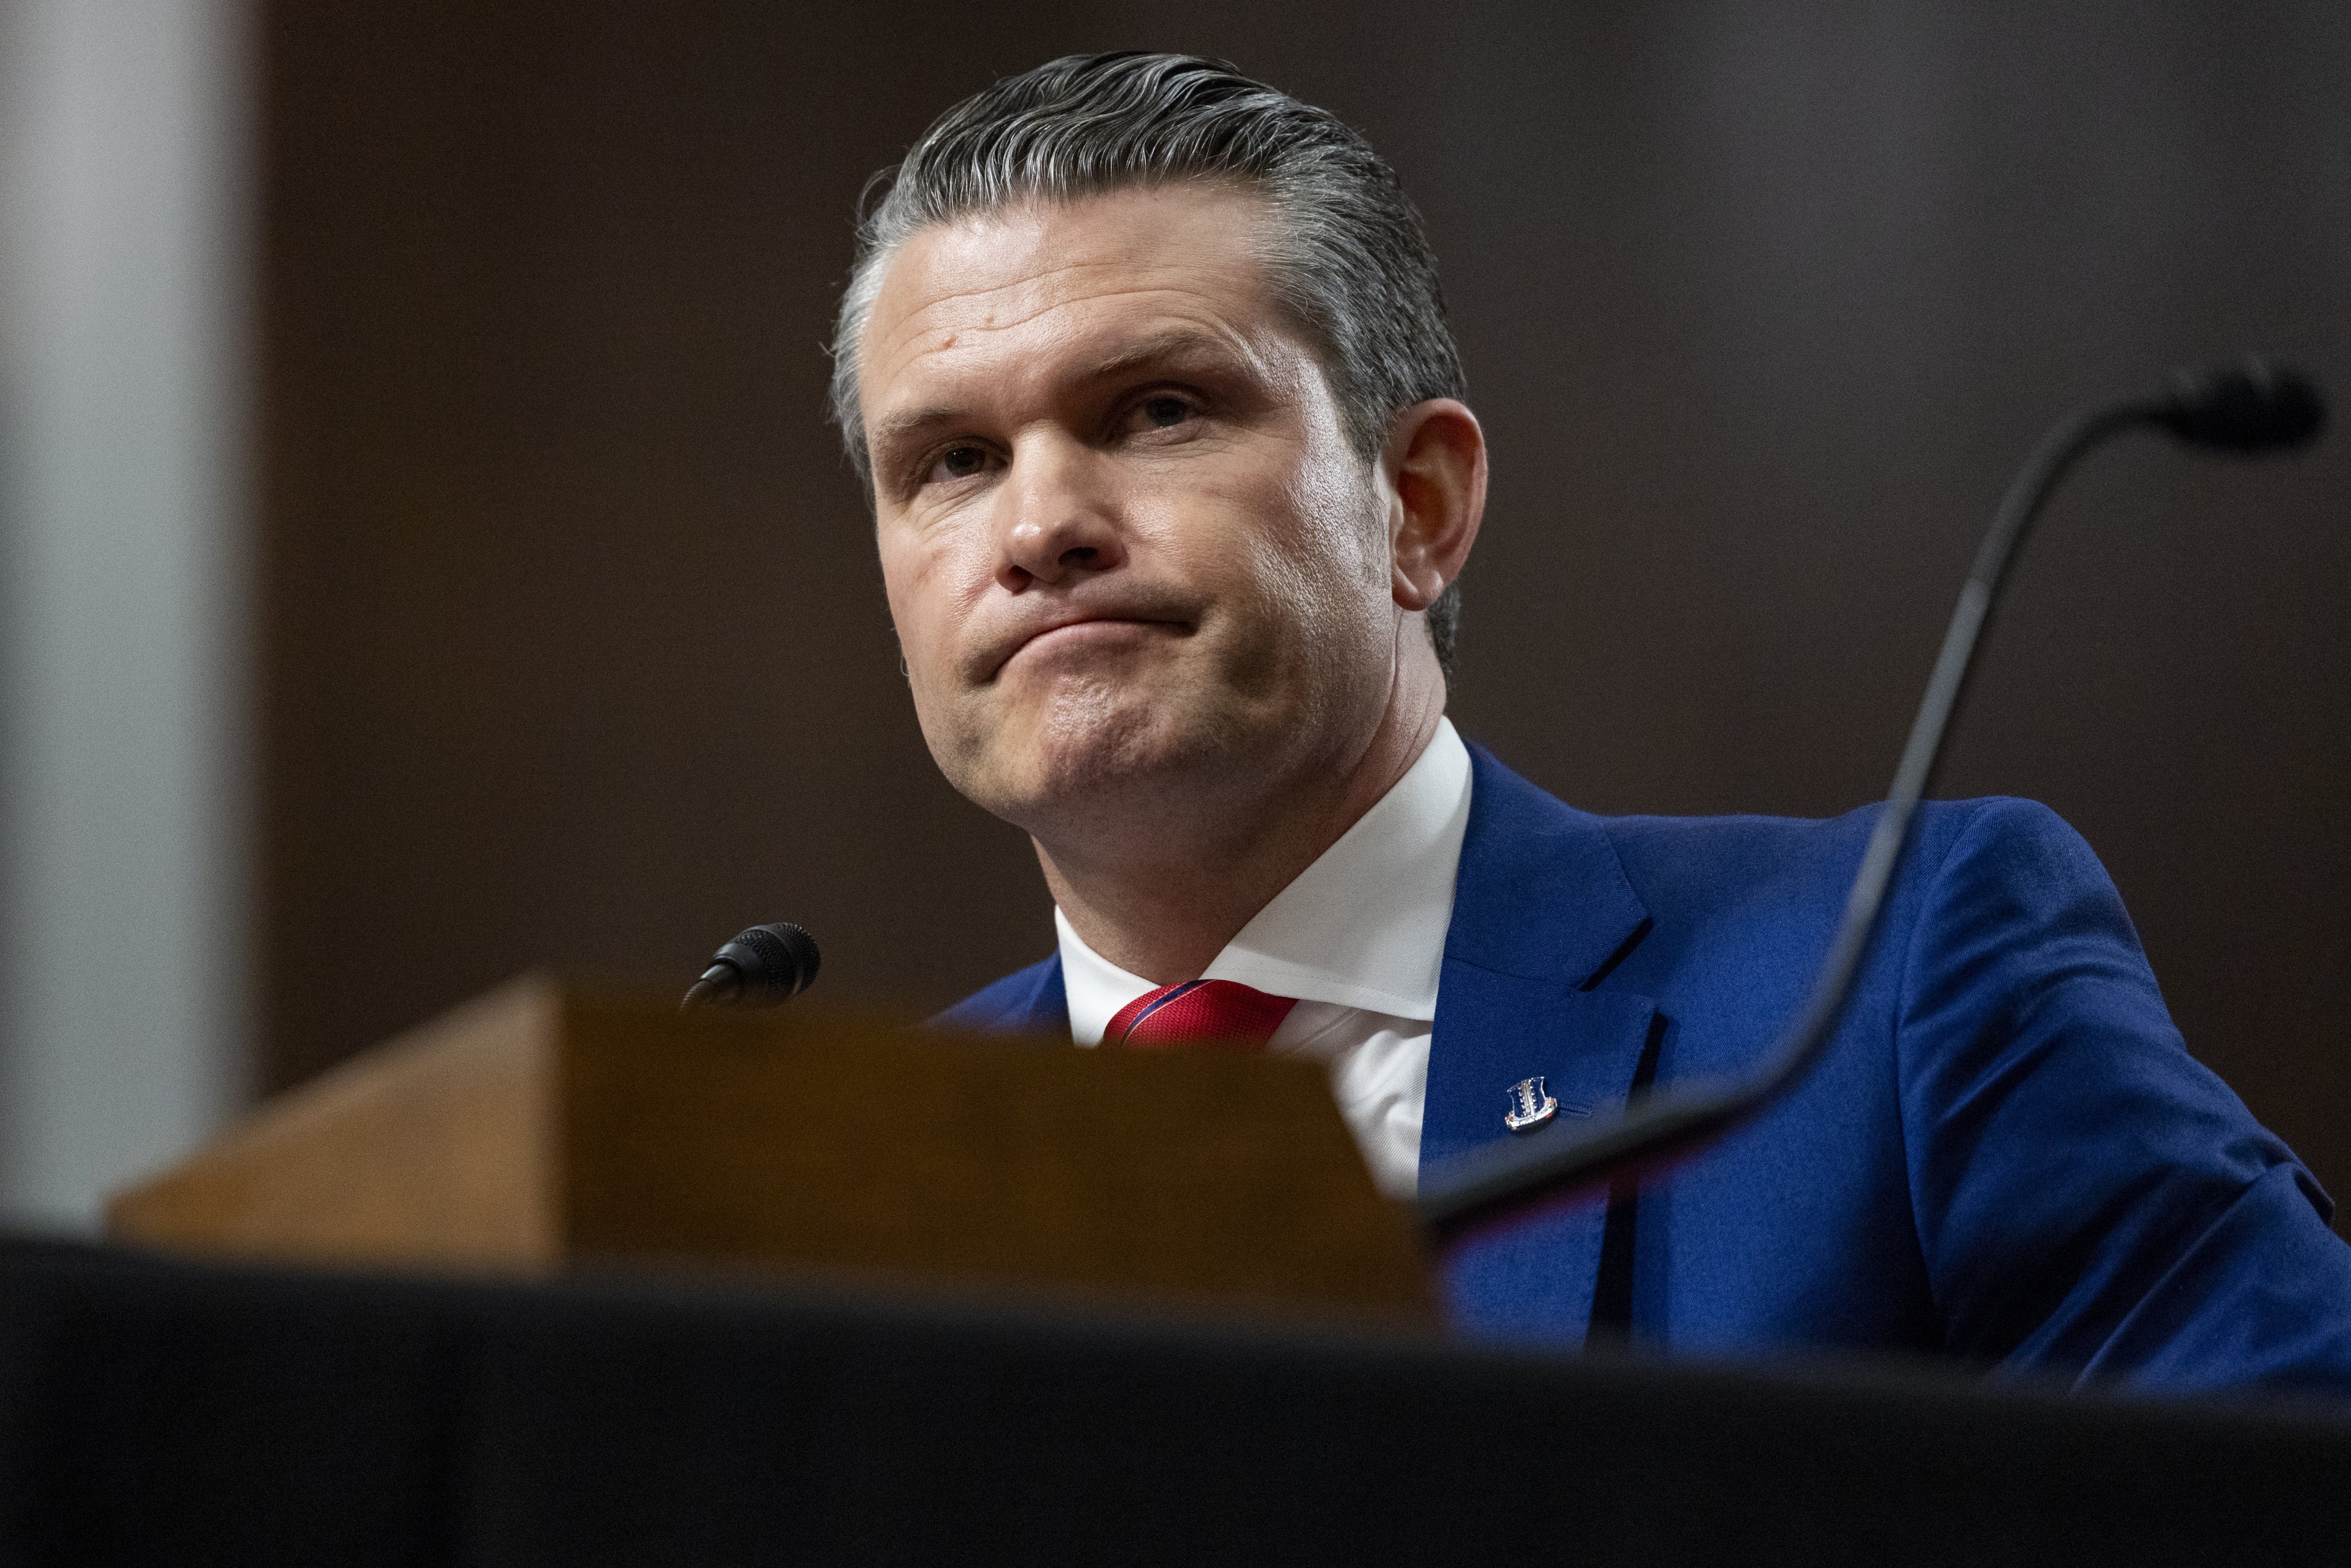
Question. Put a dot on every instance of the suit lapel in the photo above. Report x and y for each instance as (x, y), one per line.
(1542, 910)
(1032, 1001)
(1046, 1010)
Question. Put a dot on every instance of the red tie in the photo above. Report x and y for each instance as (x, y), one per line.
(1223, 1013)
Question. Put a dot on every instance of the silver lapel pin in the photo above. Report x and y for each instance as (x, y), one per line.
(1529, 1105)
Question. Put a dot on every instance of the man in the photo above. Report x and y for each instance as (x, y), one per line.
(1147, 366)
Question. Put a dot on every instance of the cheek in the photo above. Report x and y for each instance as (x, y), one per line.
(903, 584)
(1339, 512)
(921, 609)
(1330, 559)
(924, 576)
(920, 612)
(1301, 526)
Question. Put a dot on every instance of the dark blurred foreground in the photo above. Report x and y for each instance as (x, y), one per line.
(171, 1413)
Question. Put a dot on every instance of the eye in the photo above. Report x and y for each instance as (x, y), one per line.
(960, 462)
(1164, 411)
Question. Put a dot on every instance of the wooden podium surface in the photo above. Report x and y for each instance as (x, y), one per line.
(225, 1408)
(552, 1124)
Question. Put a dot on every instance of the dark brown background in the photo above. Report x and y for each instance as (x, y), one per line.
(577, 651)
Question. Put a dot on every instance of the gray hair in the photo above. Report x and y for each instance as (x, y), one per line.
(1350, 266)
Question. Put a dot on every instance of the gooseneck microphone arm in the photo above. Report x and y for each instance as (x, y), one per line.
(2248, 408)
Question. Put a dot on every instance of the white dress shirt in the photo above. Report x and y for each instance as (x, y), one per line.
(1358, 937)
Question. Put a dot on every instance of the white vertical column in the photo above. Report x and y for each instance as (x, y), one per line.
(124, 175)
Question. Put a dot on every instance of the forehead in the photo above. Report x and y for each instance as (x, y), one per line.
(1015, 288)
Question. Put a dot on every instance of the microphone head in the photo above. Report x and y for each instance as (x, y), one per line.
(776, 962)
(2257, 405)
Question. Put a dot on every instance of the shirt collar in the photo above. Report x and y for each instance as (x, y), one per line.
(1364, 926)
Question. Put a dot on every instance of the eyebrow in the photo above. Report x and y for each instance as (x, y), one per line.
(1171, 347)
(1179, 344)
(894, 429)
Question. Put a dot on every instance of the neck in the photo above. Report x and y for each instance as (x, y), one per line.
(1162, 905)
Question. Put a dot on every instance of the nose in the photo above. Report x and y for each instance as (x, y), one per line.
(1058, 517)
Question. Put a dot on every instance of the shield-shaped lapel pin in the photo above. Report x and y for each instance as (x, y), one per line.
(1531, 1105)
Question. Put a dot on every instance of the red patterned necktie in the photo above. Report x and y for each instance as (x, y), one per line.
(1222, 1013)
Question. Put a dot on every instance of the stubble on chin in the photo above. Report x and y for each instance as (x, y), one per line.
(1087, 750)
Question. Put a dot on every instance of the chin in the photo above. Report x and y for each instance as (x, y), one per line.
(1093, 752)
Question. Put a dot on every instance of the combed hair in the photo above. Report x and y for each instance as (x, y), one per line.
(1352, 266)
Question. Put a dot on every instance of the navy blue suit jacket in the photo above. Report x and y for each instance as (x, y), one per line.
(2007, 1154)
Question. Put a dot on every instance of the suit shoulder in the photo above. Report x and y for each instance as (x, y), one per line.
(1704, 869)
(1720, 858)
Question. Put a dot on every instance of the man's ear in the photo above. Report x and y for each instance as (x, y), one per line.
(1434, 465)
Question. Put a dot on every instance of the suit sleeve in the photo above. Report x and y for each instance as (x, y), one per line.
(2089, 1198)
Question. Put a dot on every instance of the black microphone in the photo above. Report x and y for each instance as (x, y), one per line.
(2253, 406)
(763, 966)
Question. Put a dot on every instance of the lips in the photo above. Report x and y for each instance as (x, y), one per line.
(1073, 629)
(1003, 650)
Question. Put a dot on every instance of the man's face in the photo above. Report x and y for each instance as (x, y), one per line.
(1133, 560)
